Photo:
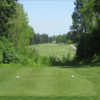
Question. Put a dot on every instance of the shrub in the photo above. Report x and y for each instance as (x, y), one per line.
(7, 51)
(54, 60)
(44, 60)
(9, 56)
(59, 61)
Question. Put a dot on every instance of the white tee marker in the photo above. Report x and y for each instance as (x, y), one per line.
(73, 47)
(17, 77)
(73, 76)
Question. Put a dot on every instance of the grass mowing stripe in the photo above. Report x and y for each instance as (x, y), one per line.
(47, 81)
(50, 98)
(6, 73)
(93, 75)
(8, 78)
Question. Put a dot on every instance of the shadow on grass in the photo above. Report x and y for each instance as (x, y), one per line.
(76, 64)
(49, 98)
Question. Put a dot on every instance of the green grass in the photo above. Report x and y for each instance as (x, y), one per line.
(49, 82)
(49, 98)
(44, 82)
(54, 49)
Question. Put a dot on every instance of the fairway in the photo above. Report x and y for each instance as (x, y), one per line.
(50, 50)
(59, 50)
(49, 82)
(45, 82)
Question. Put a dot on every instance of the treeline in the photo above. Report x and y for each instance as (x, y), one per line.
(44, 38)
(85, 30)
(39, 38)
(15, 32)
(16, 35)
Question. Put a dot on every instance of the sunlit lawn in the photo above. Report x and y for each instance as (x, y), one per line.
(49, 82)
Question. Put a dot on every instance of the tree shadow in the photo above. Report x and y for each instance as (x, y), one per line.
(72, 64)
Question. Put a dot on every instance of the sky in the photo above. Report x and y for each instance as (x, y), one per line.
(52, 17)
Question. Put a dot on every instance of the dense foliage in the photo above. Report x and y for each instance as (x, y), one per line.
(40, 38)
(7, 11)
(15, 33)
(44, 38)
(86, 28)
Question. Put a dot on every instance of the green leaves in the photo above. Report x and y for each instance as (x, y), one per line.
(15, 33)
(86, 27)
(7, 10)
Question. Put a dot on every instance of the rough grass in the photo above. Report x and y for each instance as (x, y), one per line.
(54, 49)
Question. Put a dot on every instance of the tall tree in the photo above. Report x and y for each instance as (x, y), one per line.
(19, 30)
(7, 10)
(86, 19)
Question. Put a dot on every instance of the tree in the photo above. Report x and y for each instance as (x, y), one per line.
(43, 38)
(61, 38)
(85, 28)
(19, 30)
(86, 19)
(15, 32)
(7, 11)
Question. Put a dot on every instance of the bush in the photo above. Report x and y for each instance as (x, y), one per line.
(54, 60)
(7, 52)
(26, 55)
(44, 60)
(9, 56)
(58, 61)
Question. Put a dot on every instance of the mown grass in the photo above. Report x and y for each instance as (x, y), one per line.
(49, 98)
(50, 82)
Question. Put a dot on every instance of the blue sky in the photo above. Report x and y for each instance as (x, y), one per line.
(49, 16)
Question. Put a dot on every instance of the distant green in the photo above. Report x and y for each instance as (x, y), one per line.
(52, 49)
